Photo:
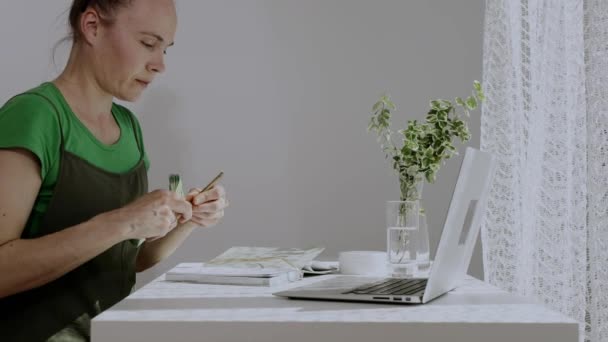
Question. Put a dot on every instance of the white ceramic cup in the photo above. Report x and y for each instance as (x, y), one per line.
(363, 263)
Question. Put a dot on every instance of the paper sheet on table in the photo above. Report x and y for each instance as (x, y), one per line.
(265, 257)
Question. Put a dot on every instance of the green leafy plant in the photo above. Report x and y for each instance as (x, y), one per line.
(424, 146)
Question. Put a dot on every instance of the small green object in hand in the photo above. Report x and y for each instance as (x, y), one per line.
(175, 184)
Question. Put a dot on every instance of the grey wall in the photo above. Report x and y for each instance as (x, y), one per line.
(277, 94)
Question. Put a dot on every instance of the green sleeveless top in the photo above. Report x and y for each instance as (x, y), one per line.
(28, 121)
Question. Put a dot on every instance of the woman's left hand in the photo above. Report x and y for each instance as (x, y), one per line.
(207, 207)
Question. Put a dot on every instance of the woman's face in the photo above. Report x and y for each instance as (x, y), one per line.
(129, 53)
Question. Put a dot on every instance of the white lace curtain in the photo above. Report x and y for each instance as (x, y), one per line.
(545, 235)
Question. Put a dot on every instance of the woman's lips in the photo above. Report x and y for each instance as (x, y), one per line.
(143, 83)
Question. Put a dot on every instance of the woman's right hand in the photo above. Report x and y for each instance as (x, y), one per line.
(151, 216)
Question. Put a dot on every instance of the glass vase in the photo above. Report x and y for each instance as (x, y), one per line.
(407, 239)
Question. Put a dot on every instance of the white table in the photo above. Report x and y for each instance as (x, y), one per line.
(180, 312)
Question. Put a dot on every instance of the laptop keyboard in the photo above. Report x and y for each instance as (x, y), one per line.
(391, 286)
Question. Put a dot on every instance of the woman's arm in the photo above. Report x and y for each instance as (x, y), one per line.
(29, 263)
(26, 264)
(153, 252)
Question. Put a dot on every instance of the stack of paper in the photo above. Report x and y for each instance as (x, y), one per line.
(260, 266)
(201, 273)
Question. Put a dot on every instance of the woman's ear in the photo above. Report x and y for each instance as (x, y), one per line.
(90, 23)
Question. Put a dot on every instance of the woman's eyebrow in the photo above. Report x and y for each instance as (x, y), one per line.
(160, 39)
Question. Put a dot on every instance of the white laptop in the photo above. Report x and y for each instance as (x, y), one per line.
(452, 258)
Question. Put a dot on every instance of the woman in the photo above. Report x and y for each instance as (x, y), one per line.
(73, 201)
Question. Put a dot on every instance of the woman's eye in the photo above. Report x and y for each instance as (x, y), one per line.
(148, 45)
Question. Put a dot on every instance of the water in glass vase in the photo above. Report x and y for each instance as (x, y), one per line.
(403, 250)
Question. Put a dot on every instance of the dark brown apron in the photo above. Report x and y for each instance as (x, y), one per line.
(66, 305)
